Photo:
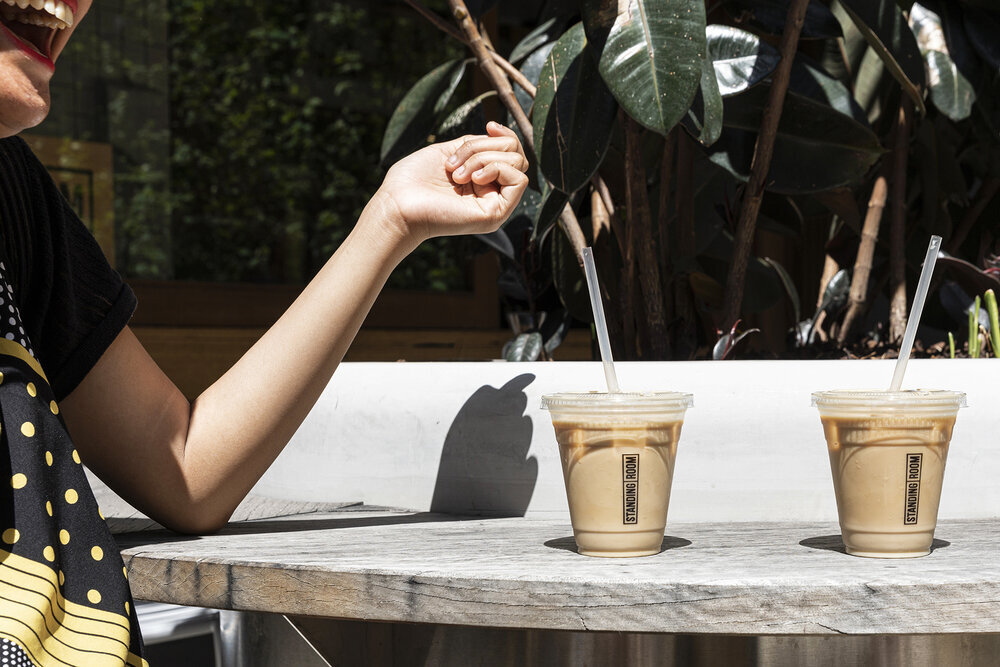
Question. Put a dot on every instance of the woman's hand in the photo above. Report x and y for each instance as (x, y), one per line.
(466, 186)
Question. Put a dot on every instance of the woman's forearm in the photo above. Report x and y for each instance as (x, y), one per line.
(241, 422)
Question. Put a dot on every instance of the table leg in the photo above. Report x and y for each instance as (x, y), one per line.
(372, 644)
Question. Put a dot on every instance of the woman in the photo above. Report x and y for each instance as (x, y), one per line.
(78, 387)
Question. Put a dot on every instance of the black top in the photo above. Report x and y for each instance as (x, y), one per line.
(64, 597)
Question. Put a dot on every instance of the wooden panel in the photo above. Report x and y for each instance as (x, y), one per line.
(191, 304)
(194, 357)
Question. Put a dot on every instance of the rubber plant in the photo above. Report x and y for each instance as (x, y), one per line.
(667, 133)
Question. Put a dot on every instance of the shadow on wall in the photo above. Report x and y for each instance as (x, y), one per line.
(485, 468)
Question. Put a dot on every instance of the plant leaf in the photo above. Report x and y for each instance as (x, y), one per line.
(740, 58)
(706, 110)
(809, 79)
(548, 213)
(499, 241)
(884, 27)
(555, 328)
(419, 112)
(573, 115)
(723, 347)
(546, 32)
(524, 347)
(770, 15)
(817, 147)
(468, 118)
(951, 92)
(836, 292)
(788, 283)
(651, 55)
(569, 281)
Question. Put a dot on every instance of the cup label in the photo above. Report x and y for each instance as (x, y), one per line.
(630, 488)
(914, 462)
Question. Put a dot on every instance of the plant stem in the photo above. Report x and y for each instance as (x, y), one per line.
(441, 24)
(602, 189)
(687, 337)
(641, 225)
(991, 309)
(567, 219)
(974, 330)
(858, 297)
(897, 229)
(599, 217)
(987, 191)
(951, 345)
(760, 165)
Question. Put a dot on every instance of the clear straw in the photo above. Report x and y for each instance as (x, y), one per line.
(599, 322)
(915, 310)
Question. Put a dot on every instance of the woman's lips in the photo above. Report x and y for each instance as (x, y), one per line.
(31, 25)
(30, 48)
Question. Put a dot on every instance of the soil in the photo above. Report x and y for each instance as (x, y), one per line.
(872, 349)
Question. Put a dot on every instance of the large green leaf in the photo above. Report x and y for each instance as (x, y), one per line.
(421, 109)
(651, 55)
(810, 80)
(468, 118)
(573, 115)
(740, 58)
(545, 33)
(569, 281)
(531, 68)
(705, 113)
(770, 16)
(817, 147)
(885, 28)
(547, 214)
(951, 92)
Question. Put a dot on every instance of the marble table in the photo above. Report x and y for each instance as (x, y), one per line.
(523, 574)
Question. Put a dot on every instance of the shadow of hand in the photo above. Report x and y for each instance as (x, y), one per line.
(485, 467)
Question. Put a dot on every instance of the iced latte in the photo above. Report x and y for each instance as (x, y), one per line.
(887, 455)
(618, 453)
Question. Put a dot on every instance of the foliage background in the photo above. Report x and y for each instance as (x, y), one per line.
(246, 133)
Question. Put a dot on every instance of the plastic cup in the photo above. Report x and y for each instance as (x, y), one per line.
(887, 455)
(618, 452)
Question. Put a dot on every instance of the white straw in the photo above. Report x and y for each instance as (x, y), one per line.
(599, 322)
(915, 310)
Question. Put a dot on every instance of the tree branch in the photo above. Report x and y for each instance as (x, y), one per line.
(567, 219)
(858, 297)
(897, 229)
(641, 225)
(760, 165)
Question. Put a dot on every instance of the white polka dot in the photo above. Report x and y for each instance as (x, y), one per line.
(11, 320)
(9, 336)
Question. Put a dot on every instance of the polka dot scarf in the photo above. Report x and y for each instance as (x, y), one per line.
(64, 597)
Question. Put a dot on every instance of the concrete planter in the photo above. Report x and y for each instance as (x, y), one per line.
(472, 438)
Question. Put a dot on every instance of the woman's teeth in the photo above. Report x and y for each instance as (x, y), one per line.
(53, 14)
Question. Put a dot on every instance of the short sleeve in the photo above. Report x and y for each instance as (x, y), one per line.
(73, 303)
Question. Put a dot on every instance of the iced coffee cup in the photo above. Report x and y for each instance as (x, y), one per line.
(887, 454)
(618, 452)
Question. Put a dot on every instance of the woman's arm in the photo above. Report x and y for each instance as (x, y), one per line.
(188, 465)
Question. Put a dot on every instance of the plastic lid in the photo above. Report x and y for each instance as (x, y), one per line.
(922, 399)
(619, 401)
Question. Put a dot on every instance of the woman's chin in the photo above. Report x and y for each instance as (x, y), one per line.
(24, 103)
